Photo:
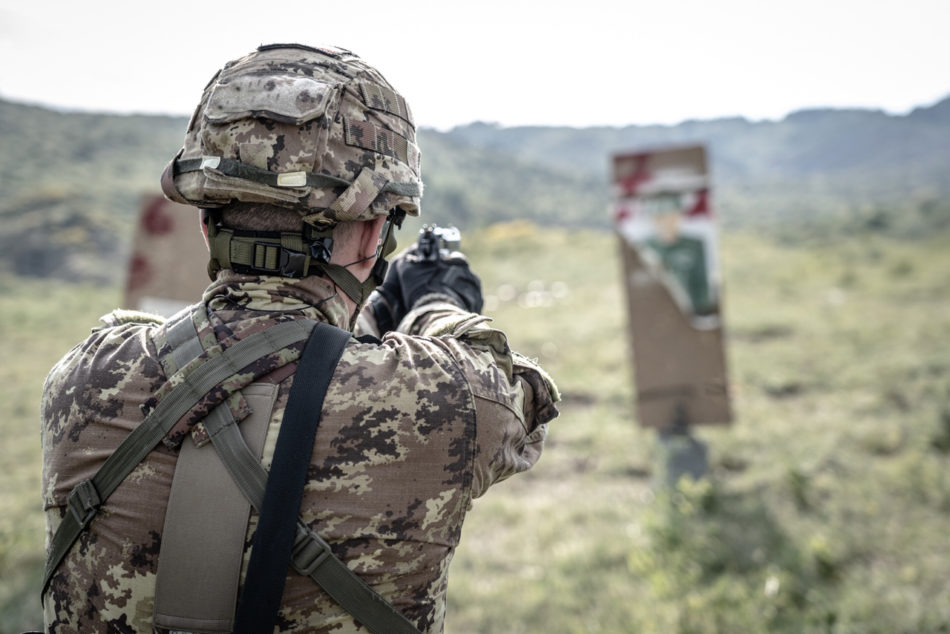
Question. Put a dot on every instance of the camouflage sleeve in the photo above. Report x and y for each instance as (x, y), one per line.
(366, 323)
(514, 397)
(79, 407)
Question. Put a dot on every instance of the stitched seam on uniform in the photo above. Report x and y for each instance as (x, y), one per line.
(518, 414)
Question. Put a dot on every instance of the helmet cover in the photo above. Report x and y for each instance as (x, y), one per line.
(315, 130)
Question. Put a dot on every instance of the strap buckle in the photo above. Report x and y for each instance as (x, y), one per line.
(289, 263)
(292, 263)
(83, 502)
(309, 551)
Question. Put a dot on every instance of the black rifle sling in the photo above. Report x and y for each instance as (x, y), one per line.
(312, 556)
(277, 528)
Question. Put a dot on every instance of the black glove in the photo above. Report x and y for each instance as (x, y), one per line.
(447, 275)
(412, 276)
(386, 303)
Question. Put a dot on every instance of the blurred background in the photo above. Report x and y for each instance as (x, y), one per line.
(828, 130)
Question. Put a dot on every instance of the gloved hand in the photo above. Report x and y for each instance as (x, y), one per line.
(386, 304)
(411, 276)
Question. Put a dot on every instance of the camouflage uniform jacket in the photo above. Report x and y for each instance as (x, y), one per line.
(412, 430)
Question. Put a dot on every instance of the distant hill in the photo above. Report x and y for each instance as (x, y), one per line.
(72, 182)
(812, 163)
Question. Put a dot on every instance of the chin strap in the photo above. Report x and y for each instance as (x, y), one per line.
(348, 283)
(295, 254)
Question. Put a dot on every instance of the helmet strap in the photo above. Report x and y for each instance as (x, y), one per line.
(349, 283)
(291, 254)
(295, 254)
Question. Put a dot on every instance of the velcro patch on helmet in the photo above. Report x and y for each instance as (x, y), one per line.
(289, 99)
(368, 136)
(381, 98)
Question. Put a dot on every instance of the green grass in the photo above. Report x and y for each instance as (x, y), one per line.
(39, 321)
(828, 498)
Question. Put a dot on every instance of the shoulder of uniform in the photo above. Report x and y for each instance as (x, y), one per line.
(123, 316)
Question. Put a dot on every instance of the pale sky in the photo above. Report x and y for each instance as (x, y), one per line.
(512, 62)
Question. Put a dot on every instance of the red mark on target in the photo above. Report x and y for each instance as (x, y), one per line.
(156, 219)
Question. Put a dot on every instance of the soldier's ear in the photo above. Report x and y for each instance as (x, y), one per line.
(370, 235)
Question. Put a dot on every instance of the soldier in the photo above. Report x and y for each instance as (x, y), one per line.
(303, 161)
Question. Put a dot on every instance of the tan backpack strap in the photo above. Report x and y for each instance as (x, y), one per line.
(310, 554)
(85, 499)
(205, 528)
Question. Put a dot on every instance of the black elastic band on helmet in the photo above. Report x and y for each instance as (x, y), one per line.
(237, 169)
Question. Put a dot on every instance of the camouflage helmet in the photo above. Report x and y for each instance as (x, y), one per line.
(315, 130)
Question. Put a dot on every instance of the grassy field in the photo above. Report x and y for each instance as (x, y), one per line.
(827, 504)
